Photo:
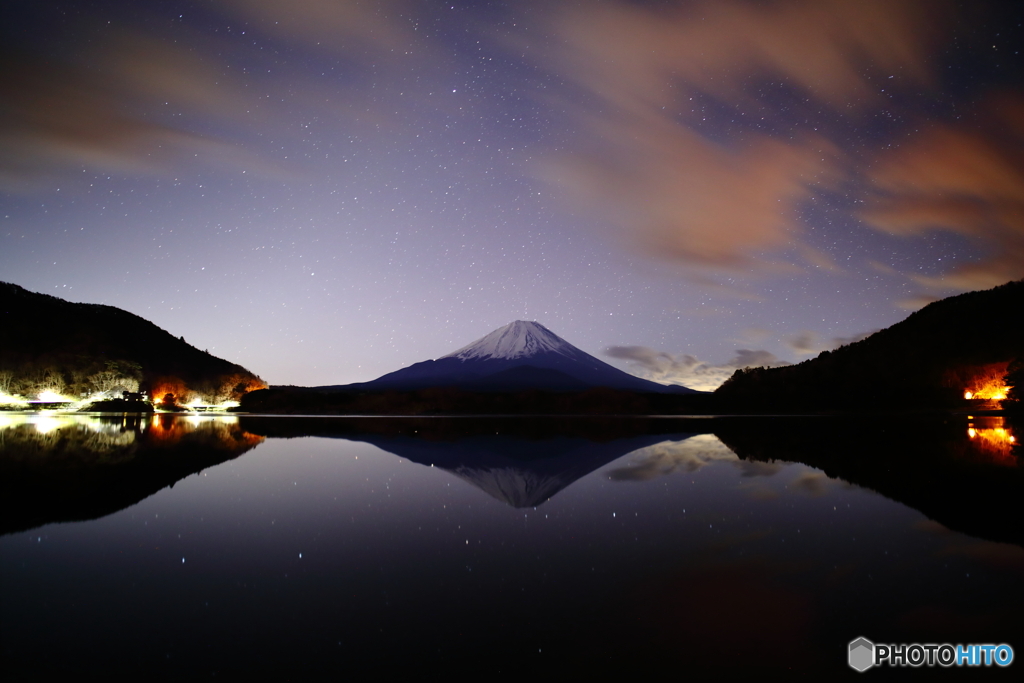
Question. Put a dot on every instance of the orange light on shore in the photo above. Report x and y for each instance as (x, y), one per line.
(981, 382)
(992, 391)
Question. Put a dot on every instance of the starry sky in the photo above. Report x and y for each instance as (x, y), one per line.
(326, 191)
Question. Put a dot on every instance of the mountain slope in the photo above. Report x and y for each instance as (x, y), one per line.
(42, 336)
(519, 355)
(931, 358)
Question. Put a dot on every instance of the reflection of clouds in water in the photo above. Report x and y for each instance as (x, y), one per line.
(931, 526)
(668, 457)
(690, 455)
(756, 468)
(761, 491)
(996, 555)
(811, 483)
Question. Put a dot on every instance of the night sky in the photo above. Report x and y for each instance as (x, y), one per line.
(328, 191)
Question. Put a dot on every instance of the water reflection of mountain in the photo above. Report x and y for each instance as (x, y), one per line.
(519, 461)
(496, 464)
(71, 468)
(966, 474)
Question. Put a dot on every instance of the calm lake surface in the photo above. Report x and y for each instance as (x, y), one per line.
(220, 545)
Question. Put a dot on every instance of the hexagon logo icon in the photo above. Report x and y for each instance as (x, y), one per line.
(861, 654)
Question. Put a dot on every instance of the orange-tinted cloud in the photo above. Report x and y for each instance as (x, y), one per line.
(638, 58)
(373, 30)
(118, 114)
(697, 201)
(967, 180)
(131, 101)
(724, 206)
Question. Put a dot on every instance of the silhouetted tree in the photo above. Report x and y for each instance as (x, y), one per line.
(1015, 381)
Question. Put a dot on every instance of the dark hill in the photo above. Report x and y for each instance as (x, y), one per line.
(928, 360)
(48, 341)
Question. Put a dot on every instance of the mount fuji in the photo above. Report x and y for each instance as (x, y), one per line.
(521, 355)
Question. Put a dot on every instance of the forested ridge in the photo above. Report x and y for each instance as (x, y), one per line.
(930, 359)
(74, 349)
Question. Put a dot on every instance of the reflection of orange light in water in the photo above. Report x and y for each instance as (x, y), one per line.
(222, 432)
(993, 439)
(164, 428)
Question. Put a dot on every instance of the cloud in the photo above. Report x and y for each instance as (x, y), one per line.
(694, 373)
(689, 370)
(804, 342)
(811, 483)
(707, 127)
(964, 180)
(363, 30)
(843, 341)
(698, 202)
(131, 98)
(916, 302)
(131, 104)
(825, 48)
(808, 343)
(678, 187)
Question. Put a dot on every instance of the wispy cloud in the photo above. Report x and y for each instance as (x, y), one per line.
(706, 127)
(132, 98)
(688, 370)
(809, 343)
(135, 104)
(968, 181)
(678, 187)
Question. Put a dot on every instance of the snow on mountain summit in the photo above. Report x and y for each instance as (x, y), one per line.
(519, 356)
(519, 339)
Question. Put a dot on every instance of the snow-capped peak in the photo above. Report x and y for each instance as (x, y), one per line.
(519, 339)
